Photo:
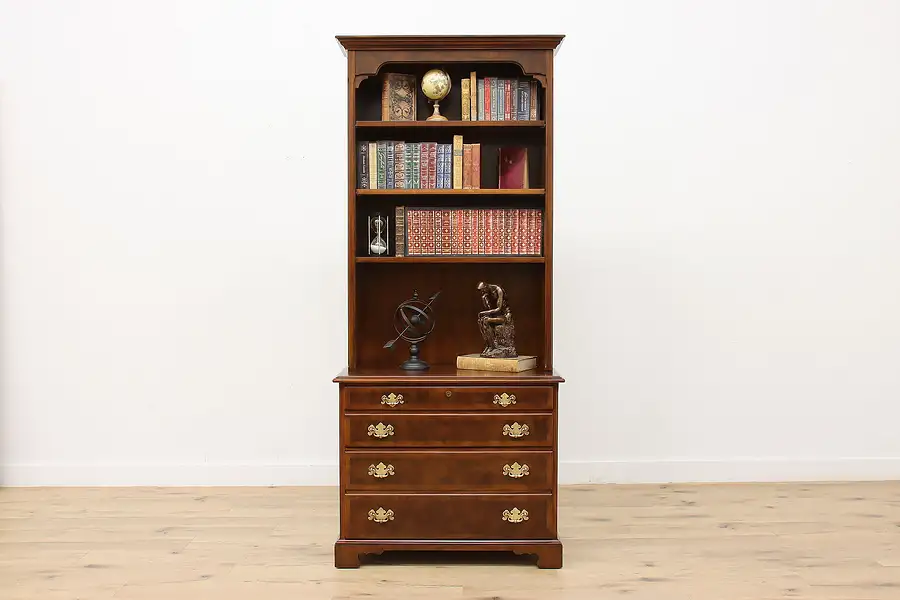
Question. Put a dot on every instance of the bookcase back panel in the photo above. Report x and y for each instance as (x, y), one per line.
(368, 93)
(381, 287)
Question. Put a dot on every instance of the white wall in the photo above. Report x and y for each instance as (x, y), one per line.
(727, 260)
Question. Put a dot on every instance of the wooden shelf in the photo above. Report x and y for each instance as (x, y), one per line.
(444, 192)
(450, 259)
(451, 124)
(444, 374)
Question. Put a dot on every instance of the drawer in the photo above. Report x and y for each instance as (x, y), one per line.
(408, 398)
(447, 429)
(441, 470)
(449, 516)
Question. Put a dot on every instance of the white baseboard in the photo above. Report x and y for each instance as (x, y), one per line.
(237, 474)
(570, 472)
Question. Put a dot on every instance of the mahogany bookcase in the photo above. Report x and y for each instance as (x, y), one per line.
(447, 476)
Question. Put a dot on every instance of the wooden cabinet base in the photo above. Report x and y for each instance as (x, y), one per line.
(347, 553)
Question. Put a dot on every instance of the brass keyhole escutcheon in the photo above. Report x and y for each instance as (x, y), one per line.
(448, 393)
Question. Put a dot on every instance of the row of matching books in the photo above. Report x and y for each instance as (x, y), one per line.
(390, 164)
(468, 231)
(500, 99)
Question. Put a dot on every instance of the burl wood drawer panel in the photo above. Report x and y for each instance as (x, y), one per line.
(450, 517)
(443, 470)
(399, 398)
(379, 430)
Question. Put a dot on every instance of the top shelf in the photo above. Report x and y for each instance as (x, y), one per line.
(452, 124)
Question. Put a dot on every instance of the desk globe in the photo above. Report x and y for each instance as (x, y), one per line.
(436, 86)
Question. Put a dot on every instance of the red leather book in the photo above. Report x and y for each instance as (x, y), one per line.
(428, 240)
(513, 168)
(481, 234)
(456, 246)
(532, 229)
(508, 231)
(507, 97)
(489, 231)
(447, 226)
(432, 165)
(414, 232)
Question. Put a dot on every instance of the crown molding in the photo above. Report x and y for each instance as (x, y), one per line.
(449, 42)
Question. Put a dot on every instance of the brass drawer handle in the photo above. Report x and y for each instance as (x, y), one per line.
(383, 516)
(504, 399)
(392, 399)
(381, 430)
(381, 470)
(513, 471)
(514, 431)
(514, 516)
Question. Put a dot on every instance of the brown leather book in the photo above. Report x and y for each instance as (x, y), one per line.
(467, 167)
(398, 97)
(476, 166)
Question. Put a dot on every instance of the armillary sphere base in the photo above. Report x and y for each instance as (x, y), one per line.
(414, 363)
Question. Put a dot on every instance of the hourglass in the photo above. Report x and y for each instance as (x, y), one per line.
(378, 235)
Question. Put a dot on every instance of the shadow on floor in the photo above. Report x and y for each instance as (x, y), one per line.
(448, 558)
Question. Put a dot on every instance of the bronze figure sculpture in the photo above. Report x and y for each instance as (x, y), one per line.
(496, 323)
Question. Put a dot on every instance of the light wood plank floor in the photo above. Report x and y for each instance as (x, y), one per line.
(697, 542)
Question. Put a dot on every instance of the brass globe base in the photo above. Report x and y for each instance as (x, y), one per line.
(437, 116)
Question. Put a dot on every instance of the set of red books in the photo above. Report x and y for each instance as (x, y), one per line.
(469, 231)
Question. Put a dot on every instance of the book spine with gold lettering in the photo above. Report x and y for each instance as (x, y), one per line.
(467, 166)
(480, 94)
(373, 165)
(399, 165)
(432, 165)
(466, 92)
(457, 162)
(476, 166)
(362, 166)
(473, 96)
(399, 231)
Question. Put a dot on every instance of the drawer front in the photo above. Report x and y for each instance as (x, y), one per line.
(441, 470)
(400, 398)
(449, 517)
(448, 430)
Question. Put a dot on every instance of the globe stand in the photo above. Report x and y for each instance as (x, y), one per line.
(436, 116)
(414, 363)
